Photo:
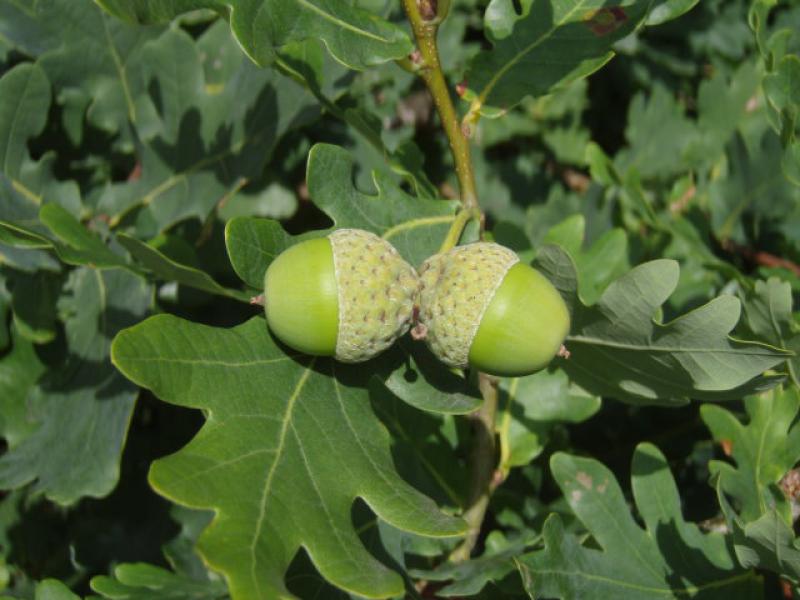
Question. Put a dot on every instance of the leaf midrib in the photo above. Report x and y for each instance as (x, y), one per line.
(338, 22)
(526, 50)
(685, 591)
(582, 339)
(286, 422)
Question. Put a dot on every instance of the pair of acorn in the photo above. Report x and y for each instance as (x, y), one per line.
(350, 295)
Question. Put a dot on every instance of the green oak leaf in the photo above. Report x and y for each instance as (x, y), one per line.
(74, 243)
(81, 406)
(25, 185)
(668, 558)
(768, 542)
(782, 86)
(658, 134)
(141, 581)
(52, 589)
(598, 265)
(764, 449)
(471, 577)
(666, 10)
(20, 368)
(253, 244)
(755, 188)
(21, 30)
(529, 408)
(423, 383)
(280, 461)
(310, 65)
(415, 226)
(5, 308)
(33, 303)
(768, 315)
(354, 36)
(24, 104)
(163, 267)
(618, 349)
(96, 63)
(559, 41)
(424, 448)
(215, 135)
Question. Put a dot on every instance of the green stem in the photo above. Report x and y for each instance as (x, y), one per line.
(463, 217)
(431, 72)
(483, 462)
(483, 459)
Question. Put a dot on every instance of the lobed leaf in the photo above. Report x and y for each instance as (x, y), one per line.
(288, 445)
(618, 348)
(559, 41)
(141, 581)
(210, 140)
(82, 407)
(668, 558)
(353, 36)
(768, 315)
(415, 226)
(764, 450)
(165, 268)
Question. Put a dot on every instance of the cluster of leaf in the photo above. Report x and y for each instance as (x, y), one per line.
(163, 445)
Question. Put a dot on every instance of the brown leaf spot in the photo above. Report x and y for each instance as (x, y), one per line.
(605, 20)
(727, 447)
(584, 479)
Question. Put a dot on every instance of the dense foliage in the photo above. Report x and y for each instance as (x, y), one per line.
(155, 156)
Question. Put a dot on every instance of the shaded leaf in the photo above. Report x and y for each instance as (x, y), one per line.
(167, 269)
(755, 188)
(212, 139)
(281, 462)
(530, 406)
(140, 581)
(422, 382)
(95, 62)
(768, 315)
(354, 36)
(670, 558)
(765, 543)
(81, 408)
(51, 589)
(559, 41)
(415, 226)
(666, 10)
(33, 301)
(20, 368)
(471, 577)
(73, 242)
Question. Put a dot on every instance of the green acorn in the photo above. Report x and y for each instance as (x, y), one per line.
(348, 295)
(481, 307)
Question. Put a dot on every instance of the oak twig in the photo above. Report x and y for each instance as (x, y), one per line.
(425, 16)
(430, 70)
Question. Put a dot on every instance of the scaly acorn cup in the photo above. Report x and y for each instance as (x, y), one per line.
(481, 307)
(348, 295)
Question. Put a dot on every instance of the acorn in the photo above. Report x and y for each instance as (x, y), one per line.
(349, 295)
(480, 306)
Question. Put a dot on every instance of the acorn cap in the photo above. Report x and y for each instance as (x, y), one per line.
(483, 307)
(377, 290)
